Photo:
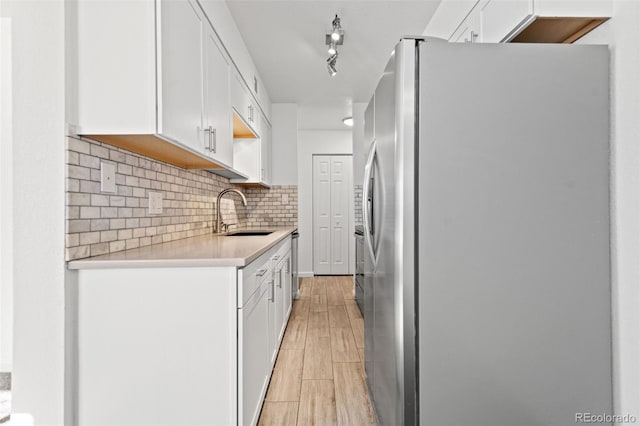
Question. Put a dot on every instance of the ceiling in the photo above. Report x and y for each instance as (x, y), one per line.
(286, 41)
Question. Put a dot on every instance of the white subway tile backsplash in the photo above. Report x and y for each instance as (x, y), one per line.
(89, 212)
(100, 223)
(77, 172)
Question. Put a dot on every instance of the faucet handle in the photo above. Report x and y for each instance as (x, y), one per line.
(228, 226)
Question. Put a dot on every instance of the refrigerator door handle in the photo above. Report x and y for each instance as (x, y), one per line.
(367, 205)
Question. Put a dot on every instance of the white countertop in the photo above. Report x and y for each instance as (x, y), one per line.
(205, 250)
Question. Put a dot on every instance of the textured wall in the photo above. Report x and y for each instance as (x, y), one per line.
(100, 223)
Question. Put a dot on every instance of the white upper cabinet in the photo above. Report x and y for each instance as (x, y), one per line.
(252, 154)
(217, 101)
(501, 17)
(532, 21)
(153, 77)
(181, 73)
(222, 20)
(243, 102)
(112, 84)
(469, 30)
(265, 156)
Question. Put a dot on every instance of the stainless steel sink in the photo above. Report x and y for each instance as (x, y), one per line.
(248, 233)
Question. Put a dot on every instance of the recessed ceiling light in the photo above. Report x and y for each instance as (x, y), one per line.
(348, 121)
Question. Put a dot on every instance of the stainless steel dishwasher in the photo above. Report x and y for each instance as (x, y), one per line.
(294, 265)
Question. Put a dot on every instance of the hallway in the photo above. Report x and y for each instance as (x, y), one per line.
(319, 374)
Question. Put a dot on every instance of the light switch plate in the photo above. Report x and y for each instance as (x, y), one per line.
(155, 203)
(107, 177)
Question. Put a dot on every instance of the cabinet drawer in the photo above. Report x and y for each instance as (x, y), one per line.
(250, 278)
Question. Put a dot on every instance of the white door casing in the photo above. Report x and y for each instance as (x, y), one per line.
(332, 210)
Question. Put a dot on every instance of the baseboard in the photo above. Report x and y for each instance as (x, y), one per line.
(305, 274)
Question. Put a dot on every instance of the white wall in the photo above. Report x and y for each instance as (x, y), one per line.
(284, 144)
(359, 144)
(312, 142)
(622, 33)
(6, 200)
(38, 181)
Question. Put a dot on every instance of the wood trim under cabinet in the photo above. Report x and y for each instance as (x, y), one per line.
(240, 129)
(155, 147)
(557, 29)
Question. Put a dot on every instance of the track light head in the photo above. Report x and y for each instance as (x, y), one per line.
(332, 48)
(331, 64)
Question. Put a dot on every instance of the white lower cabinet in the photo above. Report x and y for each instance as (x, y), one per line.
(166, 346)
(255, 368)
(262, 319)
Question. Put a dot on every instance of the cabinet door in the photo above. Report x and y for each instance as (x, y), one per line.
(265, 151)
(180, 69)
(288, 289)
(499, 18)
(217, 121)
(469, 29)
(272, 322)
(254, 352)
(240, 98)
(280, 302)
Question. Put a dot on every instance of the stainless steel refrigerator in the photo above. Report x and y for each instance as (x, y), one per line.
(486, 211)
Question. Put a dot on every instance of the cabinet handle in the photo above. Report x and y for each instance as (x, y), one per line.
(288, 267)
(280, 278)
(262, 174)
(273, 292)
(261, 272)
(212, 135)
(276, 257)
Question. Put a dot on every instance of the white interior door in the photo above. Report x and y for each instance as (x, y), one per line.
(332, 176)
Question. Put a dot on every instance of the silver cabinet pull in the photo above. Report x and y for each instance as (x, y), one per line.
(261, 272)
(280, 278)
(211, 139)
(276, 257)
(472, 37)
(273, 292)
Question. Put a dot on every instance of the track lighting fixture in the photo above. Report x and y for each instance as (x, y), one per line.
(333, 39)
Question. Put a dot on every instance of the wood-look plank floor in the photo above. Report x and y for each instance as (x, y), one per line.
(319, 375)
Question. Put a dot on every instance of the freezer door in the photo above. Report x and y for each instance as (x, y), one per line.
(514, 278)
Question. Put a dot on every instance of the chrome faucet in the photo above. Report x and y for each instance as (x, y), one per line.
(220, 195)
